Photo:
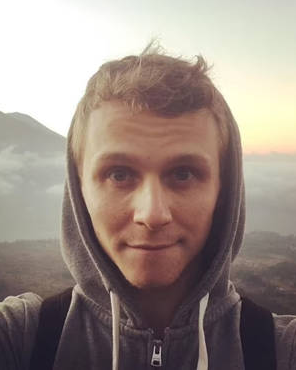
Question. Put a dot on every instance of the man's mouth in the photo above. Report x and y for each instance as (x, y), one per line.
(152, 247)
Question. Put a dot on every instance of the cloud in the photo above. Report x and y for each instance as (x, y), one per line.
(56, 160)
(12, 161)
(10, 164)
(21, 171)
(57, 189)
(271, 191)
(6, 187)
(271, 180)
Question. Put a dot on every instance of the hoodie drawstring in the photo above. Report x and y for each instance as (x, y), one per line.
(115, 307)
(203, 354)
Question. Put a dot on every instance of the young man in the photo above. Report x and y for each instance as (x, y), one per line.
(153, 216)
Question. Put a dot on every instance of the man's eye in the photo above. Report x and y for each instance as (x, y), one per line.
(120, 175)
(183, 174)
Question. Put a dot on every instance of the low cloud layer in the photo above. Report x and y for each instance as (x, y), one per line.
(56, 190)
(271, 192)
(16, 167)
(11, 160)
(29, 179)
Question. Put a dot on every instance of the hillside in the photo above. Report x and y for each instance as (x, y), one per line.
(265, 270)
(24, 133)
(32, 265)
(31, 178)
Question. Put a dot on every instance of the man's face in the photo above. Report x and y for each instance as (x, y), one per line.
(150, 184)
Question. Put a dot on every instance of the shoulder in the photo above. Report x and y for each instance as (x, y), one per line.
(18, 325)
(285, 338)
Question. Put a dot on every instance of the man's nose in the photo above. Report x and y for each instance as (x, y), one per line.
(151, 206)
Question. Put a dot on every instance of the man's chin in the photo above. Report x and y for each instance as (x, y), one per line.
(151, 283)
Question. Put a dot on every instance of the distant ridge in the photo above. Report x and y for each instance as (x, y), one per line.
(32, 171)
(33, 123)
(26, 133)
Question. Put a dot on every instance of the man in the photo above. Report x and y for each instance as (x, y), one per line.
(153, 216)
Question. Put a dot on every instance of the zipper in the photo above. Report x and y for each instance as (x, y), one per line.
(156, 359)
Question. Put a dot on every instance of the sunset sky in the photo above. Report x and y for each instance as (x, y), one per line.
(50, 48)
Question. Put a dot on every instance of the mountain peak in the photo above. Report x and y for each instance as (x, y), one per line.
(25, 118)
(26, 133)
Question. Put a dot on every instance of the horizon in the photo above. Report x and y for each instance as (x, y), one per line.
(275, 150)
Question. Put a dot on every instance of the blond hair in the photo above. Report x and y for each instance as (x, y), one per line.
(155, 82)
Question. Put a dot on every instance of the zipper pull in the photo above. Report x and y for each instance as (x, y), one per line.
(156, 360)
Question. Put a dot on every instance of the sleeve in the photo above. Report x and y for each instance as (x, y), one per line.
(18, 326)
(285, 336)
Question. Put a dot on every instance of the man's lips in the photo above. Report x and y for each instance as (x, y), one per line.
(151, 247)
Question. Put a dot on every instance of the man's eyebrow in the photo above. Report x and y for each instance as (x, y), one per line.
(197, 159)
(116, 157)
(193, 159)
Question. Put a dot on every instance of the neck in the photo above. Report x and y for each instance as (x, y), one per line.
(158, 305)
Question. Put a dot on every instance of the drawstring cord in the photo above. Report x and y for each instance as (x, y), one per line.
(203, 354)
(115, 307)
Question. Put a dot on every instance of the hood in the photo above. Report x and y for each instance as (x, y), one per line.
(96, 274)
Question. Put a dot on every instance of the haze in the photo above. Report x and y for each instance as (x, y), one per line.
(51, 48)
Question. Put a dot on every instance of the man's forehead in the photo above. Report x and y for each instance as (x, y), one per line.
(115, 119)
(117, 134)
(115, 112)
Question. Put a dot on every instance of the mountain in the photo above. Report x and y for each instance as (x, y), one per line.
(31, 178)
(24, 133)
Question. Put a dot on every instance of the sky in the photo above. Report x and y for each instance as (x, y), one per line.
(50, 48)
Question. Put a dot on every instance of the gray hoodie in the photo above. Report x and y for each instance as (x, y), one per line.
(104, 326)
